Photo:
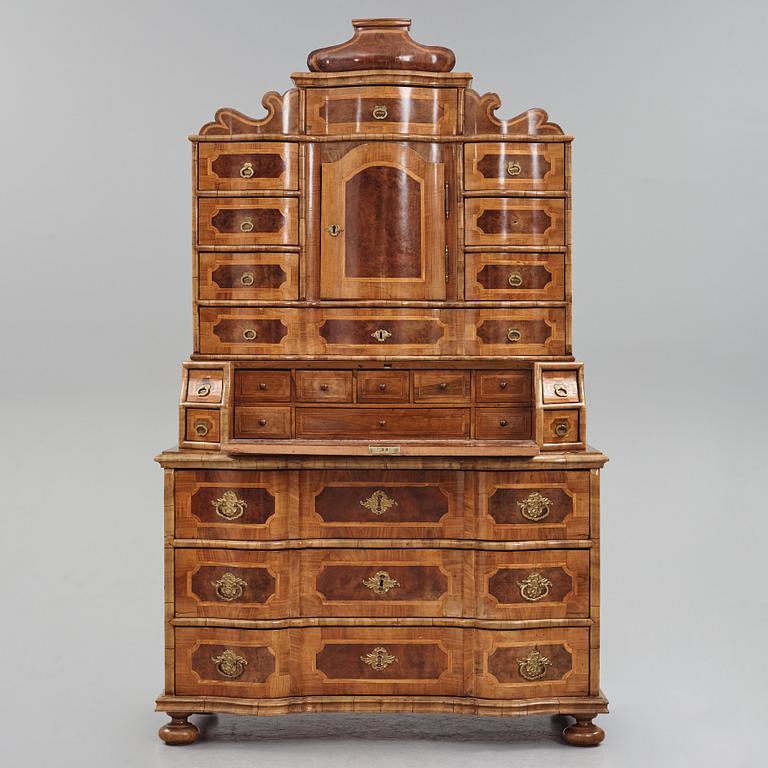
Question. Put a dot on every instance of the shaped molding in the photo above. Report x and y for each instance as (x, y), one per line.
(479, 118)
(282, 117)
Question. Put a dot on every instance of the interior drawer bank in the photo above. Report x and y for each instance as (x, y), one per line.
(233, 331)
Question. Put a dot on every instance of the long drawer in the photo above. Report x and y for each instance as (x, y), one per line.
(249, 663)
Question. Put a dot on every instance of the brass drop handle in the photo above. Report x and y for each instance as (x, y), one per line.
(381, 334)
(203, 390)
(514, 168)
(380, 583)
(229, 664)
(562, 428)
(246, 225)
(262, 422)
(382, 387)
(324, 387)
(514, 335)
(247, 278)
(249, 334)
(534, 587)
(560, 390)
(533, 666)
(515, 279)
(382, 422)
(380, 112)
(502, 422)
(229, 506)
(229, 587)
(246, 171)
(334, 230)
(201, 430)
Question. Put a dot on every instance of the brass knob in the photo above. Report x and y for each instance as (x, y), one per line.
(246, 171)
(515, 279)
(502, 422)
(514, 335)
(246, 225)
(381, 334)
(382, 422)
(382, 387)
(229, 664)
(442, 385)
(562, 428)
(503, 384)
(203, 390)
(514, 168)
(324, 387)
(262, 422)
(560, 390)
(334, 230)
(201, 430)
(262, 386)
(249, 334)
(229, 587)
(379, 112)
(247, 278)
(534, 587)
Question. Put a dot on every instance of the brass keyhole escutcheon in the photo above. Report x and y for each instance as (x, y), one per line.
(334, 230)
(229, 587)
(380, 112)
(562, 428)
(381, 334)
(247, 278)
(514, 335)
(379, 658)
(378, 502)
(229, 506)
(246, 225)
(247, 170)
(381, 582)
(249, 334)
(534, 587)
(515, 279)
(560, 390)
(229, 664)
(514, 168)
(203, 390)
(201, 430)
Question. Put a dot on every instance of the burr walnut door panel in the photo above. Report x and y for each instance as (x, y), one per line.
(248, 221)
(514, 166)
(382, 225)
(514, 221)
(515, 276)
(382, 504)
(227, 166)
(248, 276)
(529, 506)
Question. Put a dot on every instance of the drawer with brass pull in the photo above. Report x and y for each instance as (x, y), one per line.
(514, 221)
(248, 221)
(562, 426)
(204, 385)
(513, 166)
(324, 386)
(244, 165)
(441, 386)
(248, 276)
(202, 425)
(517, 332)
(507, 423)
(514, 276)
(382, 386)
(504, 386)
(262, 386)
(262, 422)
(560, 386)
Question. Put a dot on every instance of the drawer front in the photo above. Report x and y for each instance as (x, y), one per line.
(242, 663)
(248, 276)
(518, 332)
(262, 387)
(202, 425)
(562, 426)
(515, 276)
(262, 422)
(241, 331)
(247, 165)
(547, 584)
(248, 221)
(508, 423)
(324, 386)
(441, 386)
(204, 385)
(382, 504)
(513, 386)
(532, 663)
(381, 109)
(233, 584)
(382, 387)
(382, 423)
(530, 506)
(514, 221)
(560, 386)
(237, 505)
(514, 166)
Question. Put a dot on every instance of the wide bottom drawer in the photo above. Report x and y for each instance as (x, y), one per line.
(512, 664)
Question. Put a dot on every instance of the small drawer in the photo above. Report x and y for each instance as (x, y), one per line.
(246, 165)
(381, 109)
(384, 333)
(202, 425)
(511, 423)
(514, 221)
(248, 276)
(560, 386)
(262, 387)
(514, 166)
(247, 331)
(504, 386)
(519, 332)
(515, 276)
(324, 386)
(382, 423)
(441, 386)
(562, 426)
(248, 221)
(382, 387)
(204, 385)
(262, 422)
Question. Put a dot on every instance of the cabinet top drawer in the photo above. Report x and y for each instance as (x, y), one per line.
(382, 109)
(247, 165)
(513, 166)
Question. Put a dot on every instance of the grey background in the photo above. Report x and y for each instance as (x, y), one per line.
(667, 101)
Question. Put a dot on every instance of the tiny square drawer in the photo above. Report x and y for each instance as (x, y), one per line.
(515, 276)
(514, 221)
(244, 165)
(248, 221)
(504, 387)
(382, 387)
(204, 385)
(258, 422)
(514, 166)
(560, 386)
(262, 387)
(202, 425)
(248, 276)
(562, 426)
(324, 386)
(511, 423)
(441, 386)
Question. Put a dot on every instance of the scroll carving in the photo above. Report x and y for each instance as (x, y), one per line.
(479, 118)
(282, 117)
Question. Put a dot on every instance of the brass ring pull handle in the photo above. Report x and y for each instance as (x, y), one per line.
(378, 502)
(203, 390)
(201, 430)
(381, 334)
(229, 506)
(380, 583)
(514, 168)
(515, 279)
(562, 428)
(534, 587)
(229, 664)
(535, 507)
(246, 225)
(533, 666)
(514, 335)
(380, 112)
(247, 278)
(379, 658)
(334, 230)
(229, 587)
(249, 334)
(246, 171)
(560, 390)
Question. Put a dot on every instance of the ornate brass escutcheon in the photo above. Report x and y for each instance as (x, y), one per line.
(381, 582)
(515, 279)
(560, 390)
(380, 112)
(247, 278)
(201, 430)
(378, 502)
(514, 168)
(379, 658)
(229, 506)
(203, 390)
(514, 335)
(533, 666)
(562, 428)
(534, 587)
(247, 170)
(535, 507)
(229, 664)
(249, 334)
(334, 230)
(229, 587)
(381, 334)
(246, 225)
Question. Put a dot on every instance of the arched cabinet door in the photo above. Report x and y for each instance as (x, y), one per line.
(383, 224)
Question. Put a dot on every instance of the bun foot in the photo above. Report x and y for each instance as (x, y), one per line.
(179, 731)
(583, 733)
